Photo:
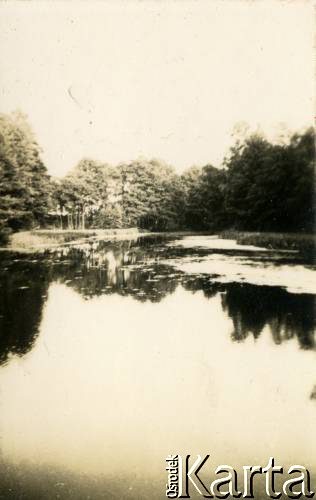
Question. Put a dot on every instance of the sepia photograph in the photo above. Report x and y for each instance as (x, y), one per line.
(157, 249)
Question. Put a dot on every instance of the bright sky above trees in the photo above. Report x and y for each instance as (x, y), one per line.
(118, 80)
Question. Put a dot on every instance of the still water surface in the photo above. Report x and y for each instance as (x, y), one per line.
(114, 355)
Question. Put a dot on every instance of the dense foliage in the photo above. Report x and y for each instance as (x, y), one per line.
(261, 186)
(24, 183)
(271, 187)
(142, 193)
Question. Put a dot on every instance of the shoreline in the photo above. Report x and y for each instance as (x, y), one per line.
(304, 243)
(45, 239)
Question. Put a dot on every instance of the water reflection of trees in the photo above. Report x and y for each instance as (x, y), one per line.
(134, 268)
(23, 292)
(124, 268)
(252, 307)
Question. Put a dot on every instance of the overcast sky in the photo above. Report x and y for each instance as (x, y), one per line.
(118, 80)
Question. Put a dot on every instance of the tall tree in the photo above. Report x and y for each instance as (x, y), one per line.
(86, 193)
(270, 186)
(25, 186)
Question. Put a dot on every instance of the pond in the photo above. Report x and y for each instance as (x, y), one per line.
(116, 354)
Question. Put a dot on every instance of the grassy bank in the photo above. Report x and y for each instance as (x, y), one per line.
(303, 243)
(46, 238)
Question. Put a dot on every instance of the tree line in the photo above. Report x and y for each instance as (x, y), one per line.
(260, 186)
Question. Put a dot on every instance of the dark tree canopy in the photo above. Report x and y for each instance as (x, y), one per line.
(24, 183)
(141, 193)
(270, 187)
(261, 186)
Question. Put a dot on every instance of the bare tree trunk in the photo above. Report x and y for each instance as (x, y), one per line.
(83, 219)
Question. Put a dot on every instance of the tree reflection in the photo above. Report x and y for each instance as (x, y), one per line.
(135, 268)
(125, 268)
(252, 307)
(23, 293)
